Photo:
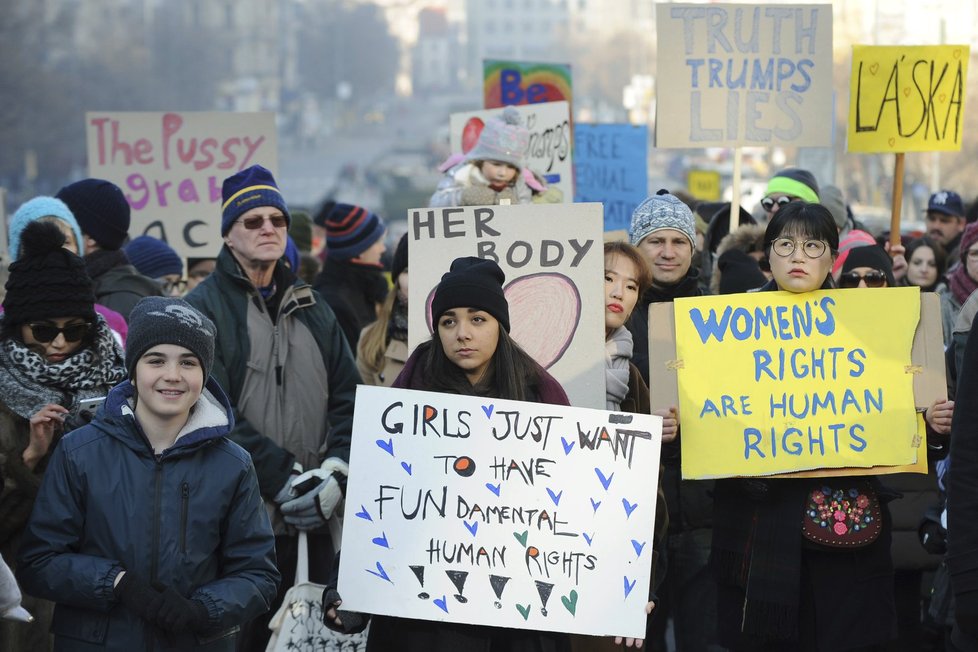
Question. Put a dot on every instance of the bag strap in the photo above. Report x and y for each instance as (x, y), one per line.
(302, 560)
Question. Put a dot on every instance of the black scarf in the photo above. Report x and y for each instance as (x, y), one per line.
(398, 325)
(688, 286)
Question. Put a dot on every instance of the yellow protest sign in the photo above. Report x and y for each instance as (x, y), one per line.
(907, 99)
(775, 382)
(704, 184)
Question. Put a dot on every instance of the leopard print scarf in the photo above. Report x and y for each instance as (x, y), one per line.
(28, 382)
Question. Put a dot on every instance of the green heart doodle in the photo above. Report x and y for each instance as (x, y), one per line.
(524, 611)
(521, 537)
(570, 602)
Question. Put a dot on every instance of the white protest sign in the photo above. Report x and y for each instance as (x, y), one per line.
(732, 75)
(492, 512)
(171, 167)
(549, 151)
(553, 259)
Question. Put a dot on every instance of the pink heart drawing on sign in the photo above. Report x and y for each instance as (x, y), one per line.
(547, 310)
(544, 309)
(470, 133)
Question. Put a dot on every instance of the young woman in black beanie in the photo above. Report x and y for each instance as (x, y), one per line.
(150, 532)
(57, 357)
(471, 353)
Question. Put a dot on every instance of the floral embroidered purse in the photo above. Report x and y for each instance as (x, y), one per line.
(842, 517)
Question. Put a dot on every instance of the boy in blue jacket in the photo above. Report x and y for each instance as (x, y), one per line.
(149, 530)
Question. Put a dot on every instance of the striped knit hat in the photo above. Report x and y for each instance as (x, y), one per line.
(351, 230)
(249, 188)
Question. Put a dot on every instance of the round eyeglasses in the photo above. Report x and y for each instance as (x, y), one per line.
(784, 247)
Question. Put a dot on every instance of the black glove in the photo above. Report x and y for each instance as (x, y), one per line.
(353, 622)
(178, 614)
(139, 597)
(966, 612)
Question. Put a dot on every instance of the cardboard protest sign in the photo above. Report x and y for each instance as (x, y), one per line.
(611, 167)
(520, 82)
(492, 512)
(907, 98)
(549, 152)
(805, 383)
(732, 75)
(171, 167)
(553, 258)
(704, 184)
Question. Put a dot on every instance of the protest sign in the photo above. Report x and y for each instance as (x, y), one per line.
(519, 82)
(611, 167)
(171, 167)
(907, 98)
(484, 511)
(805, 383)
(704, 184)
(732, 75)
(553, 258)
(549, 152)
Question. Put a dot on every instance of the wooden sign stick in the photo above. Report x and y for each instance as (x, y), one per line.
(897, 200)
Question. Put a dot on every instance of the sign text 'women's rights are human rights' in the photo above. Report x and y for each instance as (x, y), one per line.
(775, 382)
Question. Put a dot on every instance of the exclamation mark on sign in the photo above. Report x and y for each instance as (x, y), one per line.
(458, 579)
(498, 583)
(419, 573)
(544, 590)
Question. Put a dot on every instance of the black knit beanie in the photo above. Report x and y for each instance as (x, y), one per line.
(163, 320)
(472, 283)
(47, 281)
(101, 209)
(873, 256)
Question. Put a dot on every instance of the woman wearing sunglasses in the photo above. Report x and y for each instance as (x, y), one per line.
(777, 589)
(55, 352)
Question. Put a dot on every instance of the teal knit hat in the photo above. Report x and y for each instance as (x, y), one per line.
(35, 209)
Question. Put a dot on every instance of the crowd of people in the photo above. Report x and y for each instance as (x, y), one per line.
(169, 427)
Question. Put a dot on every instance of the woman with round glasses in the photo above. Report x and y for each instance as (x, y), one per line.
(57, 358)
(778, 590)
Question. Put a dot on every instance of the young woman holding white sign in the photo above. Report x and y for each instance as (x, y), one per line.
(803, 564)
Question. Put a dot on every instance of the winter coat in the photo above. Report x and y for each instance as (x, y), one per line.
(950, 307)
(121, 287)
(394, 359)
(361, 287)
(408, 635)
(190, 518)
(467, 175)
(271, 369)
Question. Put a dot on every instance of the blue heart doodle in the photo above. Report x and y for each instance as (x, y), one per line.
(588, 538)
(441, 604)
(473, 527)
(380, 572)
(605, 481)
(387, 445)
(364, 514)
(595, 504)
(629, 586)
(406, 467)
(488, 411)
(494, 488)
(568, 445)
(555, 497)
(382, 540)
(629, 507)
(638, 547)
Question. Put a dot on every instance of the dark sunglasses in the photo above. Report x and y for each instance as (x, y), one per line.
(255, 222)
(873, 279)
(46, 332)
(768, 203)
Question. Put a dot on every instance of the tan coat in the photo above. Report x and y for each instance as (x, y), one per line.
(394, 358)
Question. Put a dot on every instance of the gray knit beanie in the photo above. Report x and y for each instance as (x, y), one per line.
(662, 211)
(162, 320)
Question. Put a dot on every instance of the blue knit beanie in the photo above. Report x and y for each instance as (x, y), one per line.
(249, 188)
(101, 209)
(152, 257)
(35, 209)
(351, 230)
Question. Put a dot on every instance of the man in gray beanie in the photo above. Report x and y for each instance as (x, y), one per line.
(664, 230)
